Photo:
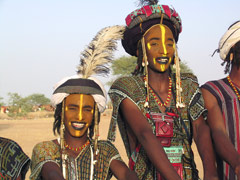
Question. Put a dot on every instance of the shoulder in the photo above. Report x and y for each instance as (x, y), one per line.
(211, 84)
(8, 145)
(189, 78)
(103, 144)
(108, 150)
(124, 81)
(8, 142)
(126, 86)
(46, 149)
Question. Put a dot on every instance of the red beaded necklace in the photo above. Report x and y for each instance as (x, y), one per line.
(233, 86)
(168, 96)
(78, 148)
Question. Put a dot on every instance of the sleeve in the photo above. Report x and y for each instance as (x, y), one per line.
(193, 97)
(196, 103)
(42, 153)
(125, 87)
(13, 161)
(107, 153)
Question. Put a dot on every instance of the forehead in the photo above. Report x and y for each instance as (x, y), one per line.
(80, 99)
(158, 30)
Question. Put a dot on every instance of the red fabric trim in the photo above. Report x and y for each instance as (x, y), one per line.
(237, 124)
(167, 10)
(131, 163)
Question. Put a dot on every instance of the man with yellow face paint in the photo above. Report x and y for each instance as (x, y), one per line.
(79, 100)
(158, 112)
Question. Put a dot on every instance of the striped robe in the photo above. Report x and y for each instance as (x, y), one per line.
(230, 107)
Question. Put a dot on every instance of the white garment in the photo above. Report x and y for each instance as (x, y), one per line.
(99, 99)
(228, 40)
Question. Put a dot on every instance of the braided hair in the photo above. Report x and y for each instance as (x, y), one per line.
(235, 50)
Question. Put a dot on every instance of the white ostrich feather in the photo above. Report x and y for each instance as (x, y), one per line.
(97, 55)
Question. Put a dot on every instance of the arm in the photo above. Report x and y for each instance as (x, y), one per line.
(223, 145)
(121, 171)
(202, 138)
(51, 171)
(148, 140)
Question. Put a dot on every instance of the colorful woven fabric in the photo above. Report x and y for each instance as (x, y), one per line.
(155, 11)
(133, 89)
(50, 152)
(230, 107)
(13, 161)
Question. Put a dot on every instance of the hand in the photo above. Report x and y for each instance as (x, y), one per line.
(237, 171)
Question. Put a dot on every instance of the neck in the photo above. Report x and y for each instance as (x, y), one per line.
(75, 141)
(159, 81)
(235, 75)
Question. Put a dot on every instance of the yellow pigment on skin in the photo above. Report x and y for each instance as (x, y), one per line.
(149, 46)
(163, 31)
(80, 107)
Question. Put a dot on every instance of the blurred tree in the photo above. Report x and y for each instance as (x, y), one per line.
(122, 66)
(18, 106)
(1, 102)
(37, 99)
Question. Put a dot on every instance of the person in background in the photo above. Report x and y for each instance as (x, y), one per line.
(222, 100)
(14, 163)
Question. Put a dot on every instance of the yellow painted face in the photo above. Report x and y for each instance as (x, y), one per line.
(79, 110)
(160, 47)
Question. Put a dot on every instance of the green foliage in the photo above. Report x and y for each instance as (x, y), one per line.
(123, 66)
(1, 102)
(184, 67)
(19, 106)
(37, 99)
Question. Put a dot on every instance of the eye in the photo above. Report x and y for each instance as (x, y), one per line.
(72, 108)
(87, 109)
(154, 44)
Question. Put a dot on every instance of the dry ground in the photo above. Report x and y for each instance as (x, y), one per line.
(29, 132)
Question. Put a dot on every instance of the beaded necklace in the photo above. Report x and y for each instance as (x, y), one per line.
(233, 86)
(168, 96)
(78, 148)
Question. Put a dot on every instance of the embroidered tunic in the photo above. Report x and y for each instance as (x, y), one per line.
(13, 161)
(230, 107)
(133, 88)
(79, 168)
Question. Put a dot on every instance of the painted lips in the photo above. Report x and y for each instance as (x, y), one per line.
(162, 60)
(78, 125)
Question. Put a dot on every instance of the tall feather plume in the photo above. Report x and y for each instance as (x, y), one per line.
(95, 58)
(147, 2)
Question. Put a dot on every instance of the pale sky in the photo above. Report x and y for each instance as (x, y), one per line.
(41, 40)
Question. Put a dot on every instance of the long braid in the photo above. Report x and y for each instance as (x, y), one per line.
(139, 68)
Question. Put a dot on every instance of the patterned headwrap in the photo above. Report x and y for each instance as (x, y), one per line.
(229, 39)
(140, 20)
(77, 85)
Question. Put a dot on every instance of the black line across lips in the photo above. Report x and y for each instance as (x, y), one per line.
(80, 127)
(162, 60)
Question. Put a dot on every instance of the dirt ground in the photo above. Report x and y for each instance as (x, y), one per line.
(27, 133)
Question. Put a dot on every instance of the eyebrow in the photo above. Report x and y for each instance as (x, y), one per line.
(74, 105)
(154, 38)
(77, 106)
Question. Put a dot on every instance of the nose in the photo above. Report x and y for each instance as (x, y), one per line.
(162, 49)
(80, 115)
